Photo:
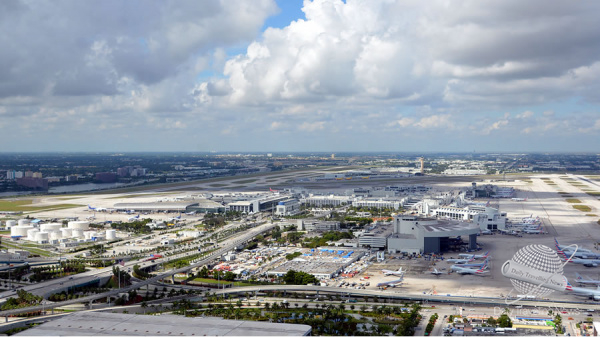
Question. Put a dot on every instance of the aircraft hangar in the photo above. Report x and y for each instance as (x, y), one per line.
(414, 234)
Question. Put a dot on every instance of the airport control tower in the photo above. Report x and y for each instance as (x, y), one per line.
(422, 161)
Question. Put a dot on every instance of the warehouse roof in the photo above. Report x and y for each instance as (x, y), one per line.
(103, 324)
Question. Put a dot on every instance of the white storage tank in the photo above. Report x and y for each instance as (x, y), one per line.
(77, 233)
(31, 234)
(50, 227)
(83, 225)
(97, 237)
(24, 222)
(66, 232)
(88, 234)
(57, 235)
(41, 237)
(111, 234)
(11, 223)
(20, 230)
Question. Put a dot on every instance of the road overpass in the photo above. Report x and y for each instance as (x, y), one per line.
(493, 301)
(89, 299)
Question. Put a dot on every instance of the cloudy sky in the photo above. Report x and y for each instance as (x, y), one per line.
(321, 75)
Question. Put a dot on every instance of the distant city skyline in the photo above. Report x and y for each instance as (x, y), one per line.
(291, 76)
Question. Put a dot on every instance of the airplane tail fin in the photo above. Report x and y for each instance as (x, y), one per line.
(578, 277)
(569, 286)
(480, 270)
(563, 256)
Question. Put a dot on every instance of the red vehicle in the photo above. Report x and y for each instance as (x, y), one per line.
(154, 257)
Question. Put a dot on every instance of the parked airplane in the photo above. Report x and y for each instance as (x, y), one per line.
(391, 283)
(519, 199)
(191, 213)
(487, 259)
(570, 248)
(399, 272)
(461, 261)
(472, 271)
(581, 255)
(580, 291)
(581, 280)
(175, 218)
(436, 272)
(133, 218)
(96, 209)
(530, 219)
(534, 231)
(484, 256)
(585, 262)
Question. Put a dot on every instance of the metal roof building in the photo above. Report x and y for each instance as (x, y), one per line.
(109, 324)
(167, 206)
(413, 234)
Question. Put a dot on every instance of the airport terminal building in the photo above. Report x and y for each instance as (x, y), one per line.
(177, 206)
(488, 218)
(414, 234)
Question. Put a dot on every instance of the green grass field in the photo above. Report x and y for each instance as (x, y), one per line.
(582, 208)
(213, 281)
(28, 247)
(594, 194)
(573, 201)
(246, 181)
(25, 205)
(590, 214)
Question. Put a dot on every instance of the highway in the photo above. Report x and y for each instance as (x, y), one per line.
(493, 301)
(231, 244)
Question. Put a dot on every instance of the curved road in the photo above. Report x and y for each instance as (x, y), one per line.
(231, 245)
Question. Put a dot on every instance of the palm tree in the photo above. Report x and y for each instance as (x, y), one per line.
(144, 305)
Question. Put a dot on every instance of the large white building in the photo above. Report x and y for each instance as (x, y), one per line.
(378, 203)
(288, 207)
(327, 200)
(413, 234)
(260, 204)
(320, 226)
(373, 240)
(486, 217)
